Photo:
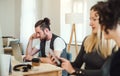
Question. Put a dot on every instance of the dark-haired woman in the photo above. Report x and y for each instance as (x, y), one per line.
(110, 22)
(49, 42)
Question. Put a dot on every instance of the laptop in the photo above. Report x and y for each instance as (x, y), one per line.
(17, 52)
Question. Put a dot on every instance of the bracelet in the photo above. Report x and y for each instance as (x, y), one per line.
(78, 72)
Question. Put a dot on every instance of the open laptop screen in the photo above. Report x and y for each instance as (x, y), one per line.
(17, 52)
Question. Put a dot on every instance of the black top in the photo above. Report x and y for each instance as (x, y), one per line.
(115, 64)
(93, 62)
(112, 65)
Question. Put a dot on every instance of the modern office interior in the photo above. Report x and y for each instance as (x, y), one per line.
(17, 20)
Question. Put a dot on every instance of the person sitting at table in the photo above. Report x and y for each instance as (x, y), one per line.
(95, 50)
(49, 42)
(110, 23)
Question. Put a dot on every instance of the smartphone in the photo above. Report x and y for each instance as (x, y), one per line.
(58, 61)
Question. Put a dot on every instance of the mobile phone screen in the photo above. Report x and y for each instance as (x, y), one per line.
(56, 59)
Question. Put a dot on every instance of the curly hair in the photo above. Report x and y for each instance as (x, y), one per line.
(110, 14)
(97, 40)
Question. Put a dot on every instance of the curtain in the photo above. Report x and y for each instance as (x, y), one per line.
(28, 19)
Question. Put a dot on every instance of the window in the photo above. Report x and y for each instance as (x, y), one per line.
(75, 6)
(28, 19)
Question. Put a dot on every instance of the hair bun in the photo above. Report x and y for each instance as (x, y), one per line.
(47, 21)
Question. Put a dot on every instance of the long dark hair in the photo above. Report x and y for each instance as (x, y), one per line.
(101, 8)
(97, 41)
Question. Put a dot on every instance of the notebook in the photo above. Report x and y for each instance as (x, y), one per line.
(17, 52)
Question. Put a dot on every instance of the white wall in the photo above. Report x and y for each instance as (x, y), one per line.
(39, 9)
(17, 18)
(1, 43)
(7, 17)
(10, 17)
(51, 9)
